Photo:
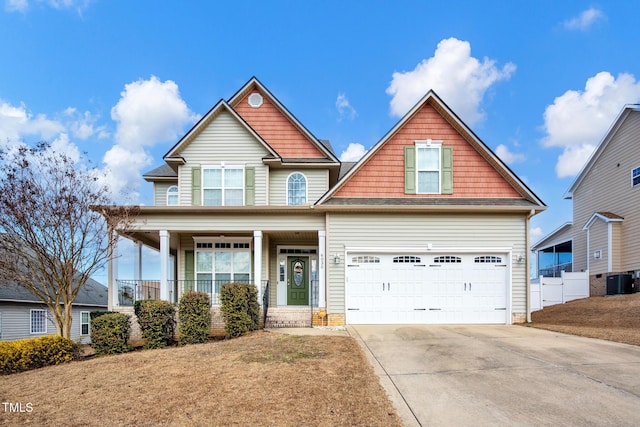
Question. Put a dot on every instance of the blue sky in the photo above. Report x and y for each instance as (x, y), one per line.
(539, 82)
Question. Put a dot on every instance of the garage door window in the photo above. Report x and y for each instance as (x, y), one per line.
(365, 259)
(407, 259)
(487, 259)
(447, 259)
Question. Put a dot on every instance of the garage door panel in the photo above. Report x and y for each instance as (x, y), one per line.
(428, 288)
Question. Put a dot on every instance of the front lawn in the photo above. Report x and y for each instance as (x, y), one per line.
(260, 379)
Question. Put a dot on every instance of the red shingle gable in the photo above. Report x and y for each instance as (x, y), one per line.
(383, 174)
(276, 129)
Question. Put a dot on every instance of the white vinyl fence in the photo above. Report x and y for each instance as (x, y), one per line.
(546, 291)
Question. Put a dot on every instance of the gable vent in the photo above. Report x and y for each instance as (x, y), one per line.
(255, 100)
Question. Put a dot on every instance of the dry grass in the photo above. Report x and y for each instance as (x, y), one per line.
(261, 379)
(613, 318)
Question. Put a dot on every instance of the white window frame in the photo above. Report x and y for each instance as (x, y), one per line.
(229, 244)
(306, 189)
(635, 174)
(173, 190)
(88, 322)
(432, 145)
(222, 167)
(32, 312)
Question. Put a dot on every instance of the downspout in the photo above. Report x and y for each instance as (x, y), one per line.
(527, 266)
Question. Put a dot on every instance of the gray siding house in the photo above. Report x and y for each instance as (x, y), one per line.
(22, 315)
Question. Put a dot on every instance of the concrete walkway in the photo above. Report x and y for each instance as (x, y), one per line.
(503, 375)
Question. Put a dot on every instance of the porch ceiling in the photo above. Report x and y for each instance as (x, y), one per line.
(292, 235)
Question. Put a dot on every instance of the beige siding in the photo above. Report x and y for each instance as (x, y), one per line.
(160, 192)
(317, 184)
(607, 188)
(216, 223)
(441, 231)
(598, 241)
(616, 246)
(224, 140)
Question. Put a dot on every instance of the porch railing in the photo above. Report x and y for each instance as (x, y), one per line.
(130, 291)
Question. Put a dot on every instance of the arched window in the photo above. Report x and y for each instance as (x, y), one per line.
(296, 189)
(172, 196)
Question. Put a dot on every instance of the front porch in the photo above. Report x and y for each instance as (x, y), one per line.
(287, 268)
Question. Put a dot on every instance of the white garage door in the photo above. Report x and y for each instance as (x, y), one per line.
(414, 289)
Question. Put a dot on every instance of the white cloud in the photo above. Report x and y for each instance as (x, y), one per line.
(507, 156)
(148, 112)
(23, 5)
(345, 110)
(535, 234)
(353, 153)
(458, 78)
(64, 146)
(585, 20)
(577, 120)
(83, 125)
(16, 122)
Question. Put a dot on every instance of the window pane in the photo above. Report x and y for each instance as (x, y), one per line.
(233, 197)
(241, 277)
(223, 262)
(203, 283)
(233, 178)
(428, 158)
(205, 261)
(212, 178)
(241, 262)
(212, 198)
(296, 189)
(428, 182)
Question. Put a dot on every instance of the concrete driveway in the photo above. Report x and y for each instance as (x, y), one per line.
(503, 375)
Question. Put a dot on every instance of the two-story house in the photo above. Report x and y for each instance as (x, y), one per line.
(604, 236)
(430, 226)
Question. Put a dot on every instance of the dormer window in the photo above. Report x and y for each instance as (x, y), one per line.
(296, 189)
(172, 196)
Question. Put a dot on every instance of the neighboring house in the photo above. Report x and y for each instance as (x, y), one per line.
(604, 236)
(430, 226)
(22, 315)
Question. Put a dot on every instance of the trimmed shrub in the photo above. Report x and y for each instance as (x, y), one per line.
(96, 314)
(32, 353)
(240, 309)
(110, 333)
(157, 322)
(194, 318)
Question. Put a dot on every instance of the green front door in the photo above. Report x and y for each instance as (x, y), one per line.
(297, 280)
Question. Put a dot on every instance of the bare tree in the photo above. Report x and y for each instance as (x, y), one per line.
(55, 231)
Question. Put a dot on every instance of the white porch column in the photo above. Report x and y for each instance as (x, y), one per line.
(137, 262)
(164, 265)
(322, 246)
(112, 276)
(257, 263)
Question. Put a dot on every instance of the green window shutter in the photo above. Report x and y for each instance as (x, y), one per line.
(447, 170)
(196, 186)
(410, 170)
(188, 271)
(249, 186)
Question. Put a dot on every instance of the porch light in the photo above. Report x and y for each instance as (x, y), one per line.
(520, 259)
(336, 258)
